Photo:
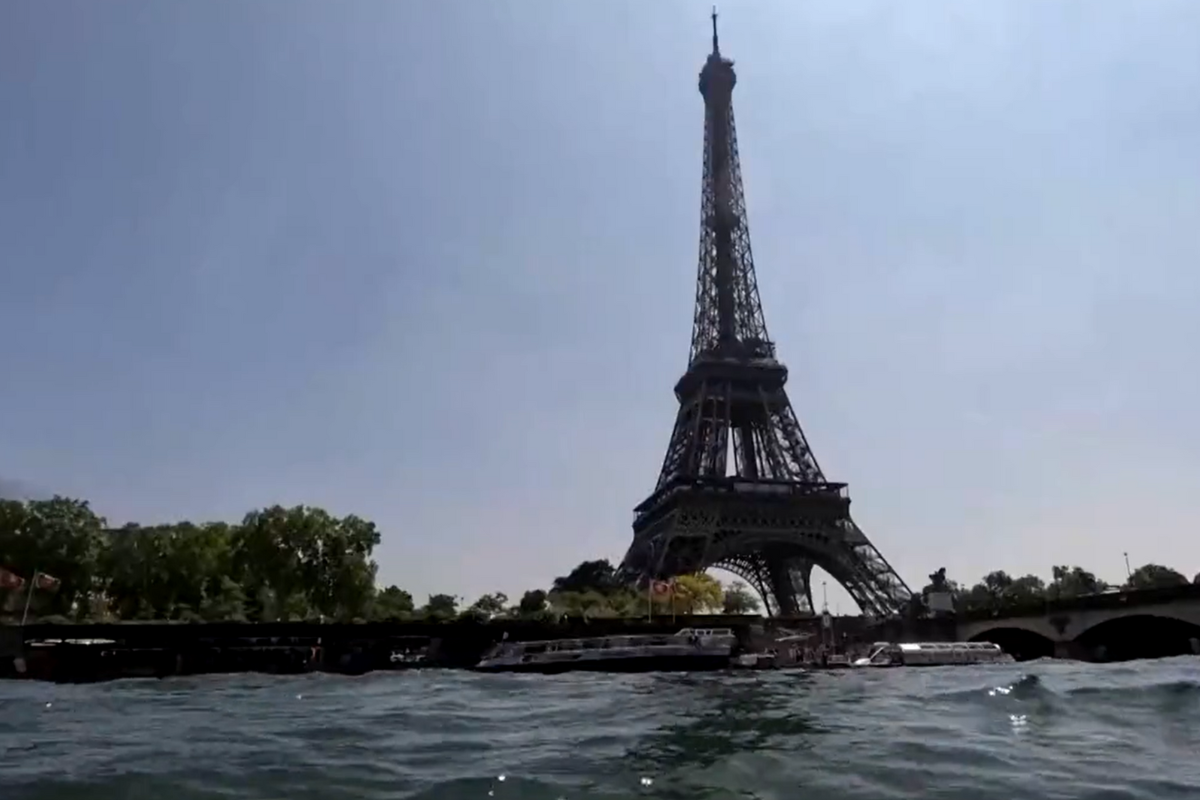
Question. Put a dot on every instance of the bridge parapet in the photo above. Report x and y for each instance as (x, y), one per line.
(1089, 602)
(1063, 622)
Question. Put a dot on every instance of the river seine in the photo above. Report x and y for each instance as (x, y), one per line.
(1034, 730)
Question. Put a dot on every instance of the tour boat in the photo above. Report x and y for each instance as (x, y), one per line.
(933, 654)
(689, 649)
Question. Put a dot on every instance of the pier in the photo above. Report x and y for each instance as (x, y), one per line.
(88, 653)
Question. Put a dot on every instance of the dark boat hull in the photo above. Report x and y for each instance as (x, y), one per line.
(679, 663)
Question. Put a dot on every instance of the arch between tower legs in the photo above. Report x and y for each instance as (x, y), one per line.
(782, 581)
(773, 553)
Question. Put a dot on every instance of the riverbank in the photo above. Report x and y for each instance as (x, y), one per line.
(99, 652)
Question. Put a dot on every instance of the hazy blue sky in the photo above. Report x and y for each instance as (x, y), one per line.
(433, 263)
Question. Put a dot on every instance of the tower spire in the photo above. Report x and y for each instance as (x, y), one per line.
(716, 48)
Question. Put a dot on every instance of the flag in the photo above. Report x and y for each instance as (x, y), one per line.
(45, 582)
(10, 580)
(662, 587)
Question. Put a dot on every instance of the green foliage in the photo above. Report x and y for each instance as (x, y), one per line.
(592, 590)
(278, 564)
(59, 537)
(392, 603)
(1154, 576)
(585, 603)
(285, 564)
(739, 599)
(302, 563)
(227, 601)
(532, 603)
(998, 591)
(594, 576)
(698, 594)
(490, 605)
(440, 607)
(1073, 582)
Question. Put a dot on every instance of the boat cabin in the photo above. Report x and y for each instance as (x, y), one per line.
(889, 654)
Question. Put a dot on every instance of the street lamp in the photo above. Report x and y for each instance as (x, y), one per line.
(1128, 572)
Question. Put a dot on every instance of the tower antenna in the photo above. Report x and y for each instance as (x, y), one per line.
(716, 49)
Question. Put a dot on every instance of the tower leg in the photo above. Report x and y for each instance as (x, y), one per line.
(804, 573)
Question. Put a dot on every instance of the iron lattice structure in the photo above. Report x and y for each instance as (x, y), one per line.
(740, 488)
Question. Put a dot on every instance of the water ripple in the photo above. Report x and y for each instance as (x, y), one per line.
(1041, 730)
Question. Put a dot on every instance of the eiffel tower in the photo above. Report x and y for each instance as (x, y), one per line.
(773, 516)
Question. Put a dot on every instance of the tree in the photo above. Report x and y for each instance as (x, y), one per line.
(440, 606)
(1026, 589)
(1074, 582)
(393, 603)
(697, 594)
(490, 605)
(227, 602)
(997, 583)
(304, 552)
(302, 562)
(278, 564)
(1154, 576)
(1000, 590)
(978, 597)
(739, 599)
(532, 603)
(597, 576)
(179, 571)
(578, 604)
(59, 537)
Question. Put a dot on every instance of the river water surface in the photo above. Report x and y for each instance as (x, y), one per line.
(1034, 730)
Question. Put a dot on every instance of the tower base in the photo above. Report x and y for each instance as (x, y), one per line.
(770, 533)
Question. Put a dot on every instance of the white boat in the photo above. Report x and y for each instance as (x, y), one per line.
(933, 654)
(688, 649)
(767, 660)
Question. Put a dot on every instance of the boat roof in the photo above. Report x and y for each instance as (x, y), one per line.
(912, 647)
(619, 637)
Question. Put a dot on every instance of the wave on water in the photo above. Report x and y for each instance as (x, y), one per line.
(1034, 730)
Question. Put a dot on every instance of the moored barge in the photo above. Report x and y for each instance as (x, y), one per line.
(690, 649)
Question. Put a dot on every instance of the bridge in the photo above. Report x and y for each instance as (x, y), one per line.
(1111, 626)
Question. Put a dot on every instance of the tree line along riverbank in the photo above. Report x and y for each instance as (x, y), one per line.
(305, 564)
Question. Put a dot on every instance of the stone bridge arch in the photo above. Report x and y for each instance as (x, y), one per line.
(1025, 639)
(979, 630)
(1083, 623)
(1112, 632)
